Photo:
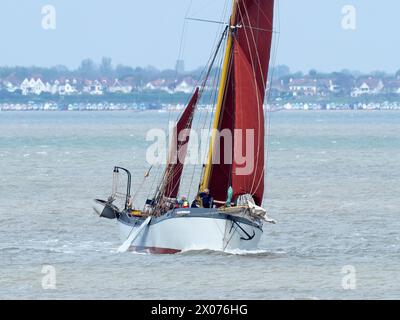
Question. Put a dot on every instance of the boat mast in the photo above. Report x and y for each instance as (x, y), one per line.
(221, 95)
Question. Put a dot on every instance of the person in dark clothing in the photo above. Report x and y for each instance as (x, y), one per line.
(206, 199)
(195, 204)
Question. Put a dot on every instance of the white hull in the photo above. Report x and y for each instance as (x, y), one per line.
(181, 230)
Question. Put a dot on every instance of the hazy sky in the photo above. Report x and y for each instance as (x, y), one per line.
(148, 32)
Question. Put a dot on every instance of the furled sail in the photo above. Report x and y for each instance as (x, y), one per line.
(179, 146)
(241, 104)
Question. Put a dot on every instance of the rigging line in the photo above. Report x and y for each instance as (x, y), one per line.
(259, 29)
(249, 237)
(230, 232)
(162, 181)
(264, 87)
(252, 190)
(154, 182)
(223, 14)
(206, 20)
(222, 111)
(218, 73)
(255, 44)
(252, 61)
(276, 45)
(258, 98)
(213, 46)
(268, 111)
(211, 64)
(262, 12)
(184, 29)
(169, 175)
(212, 98)
(181, 50)
(214, 58)
(205, 68)
(180, 165)
(175, 175)
(180, 54)
(142, 183)
(201, 76)
(240, 26)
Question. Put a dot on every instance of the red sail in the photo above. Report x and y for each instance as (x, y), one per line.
(173, 173)
(242, 109)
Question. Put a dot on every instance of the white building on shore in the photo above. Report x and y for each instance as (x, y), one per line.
(32, 86)
(117, 87)
(185, 87)
(368, 86)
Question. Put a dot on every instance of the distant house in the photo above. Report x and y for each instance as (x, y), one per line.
(32, 86)
(104, 85)
(67, 89)
(369, 86)
(39, 87)
(117, 87)
(150, 86)
(158, 85)
(32, 83)
(327, 86)
(54, 87)
(87, 84)
(307, 87)
(24, 87)
(186, 86)
(48, 87)
(96, 88)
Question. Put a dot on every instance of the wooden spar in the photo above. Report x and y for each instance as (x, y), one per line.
(221, 95)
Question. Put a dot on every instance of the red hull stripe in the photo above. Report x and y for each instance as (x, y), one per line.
(154, 250)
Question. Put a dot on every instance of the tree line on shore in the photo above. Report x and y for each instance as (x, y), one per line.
(90, 70)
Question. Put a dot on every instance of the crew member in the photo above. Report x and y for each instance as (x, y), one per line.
(183, 202)
(206, 199)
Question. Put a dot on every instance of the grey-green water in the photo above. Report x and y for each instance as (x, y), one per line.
(333, 186)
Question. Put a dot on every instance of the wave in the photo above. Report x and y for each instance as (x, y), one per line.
(234, 252)
(57, 246)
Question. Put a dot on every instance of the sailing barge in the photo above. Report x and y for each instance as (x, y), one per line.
(235, 218)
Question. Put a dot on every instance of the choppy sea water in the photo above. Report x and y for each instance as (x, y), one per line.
(333, 185)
